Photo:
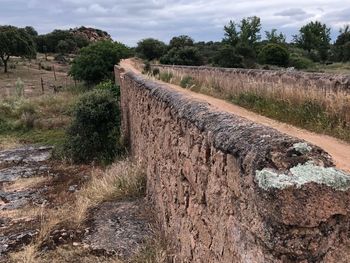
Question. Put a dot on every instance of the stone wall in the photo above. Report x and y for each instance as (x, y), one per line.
(229, 190)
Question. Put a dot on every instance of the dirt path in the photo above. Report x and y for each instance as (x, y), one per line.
(339, 150)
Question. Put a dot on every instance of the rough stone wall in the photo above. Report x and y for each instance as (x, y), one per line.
(214, 180)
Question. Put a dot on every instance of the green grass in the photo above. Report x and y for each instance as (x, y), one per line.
(165, 76)
(55, 138)
(40, 120)
(187, 82)
(309, 115)
(43, 137)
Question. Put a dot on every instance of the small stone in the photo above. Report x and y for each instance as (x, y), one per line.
(72, 188)
(86, 246)
(75, 244)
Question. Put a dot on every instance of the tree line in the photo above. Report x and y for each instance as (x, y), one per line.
(26, 42)
(242, 46)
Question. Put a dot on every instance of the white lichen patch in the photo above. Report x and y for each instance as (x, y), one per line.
(302, 147)
(303, 174)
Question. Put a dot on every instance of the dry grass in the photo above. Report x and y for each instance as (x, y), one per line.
(8, 142)
(27, 255)
(227, 84)
(64, 254)
(25, 183)
(122, 180)
(303, 103)
(31, 75)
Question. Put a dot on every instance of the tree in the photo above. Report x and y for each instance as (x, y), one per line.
(250, 28)
(15, 42)
(208, 50)
(314, 36)
(187, 55)
(95, 62)
(274, 54)
(63, 47)
(275, 38)
(342, 44)
(31, 31)
(150, 48)
(231, 34)
(182, 52)
(244, 38)
(227, 57)
(181, 42)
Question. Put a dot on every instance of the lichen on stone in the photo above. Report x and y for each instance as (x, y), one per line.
(303, 174)
(302, 147)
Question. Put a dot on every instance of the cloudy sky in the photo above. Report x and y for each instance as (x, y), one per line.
(131, 20)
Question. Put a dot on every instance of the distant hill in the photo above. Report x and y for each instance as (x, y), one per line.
(91, 34)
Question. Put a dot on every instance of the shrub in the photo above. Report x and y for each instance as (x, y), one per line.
(274, 54)
(27, 114)
(155, 72)
(300, 62)
(166, 76)
(110, 86)
(187, 82)
(93, 134)
(19, 87)
(95, 62)
(147, 68)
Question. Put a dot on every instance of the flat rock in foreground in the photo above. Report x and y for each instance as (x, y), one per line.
(119, 228)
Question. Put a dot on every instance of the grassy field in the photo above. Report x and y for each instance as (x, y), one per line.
(30, 73)
(30, 114)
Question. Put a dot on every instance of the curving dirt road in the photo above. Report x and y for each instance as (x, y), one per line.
(339, 150)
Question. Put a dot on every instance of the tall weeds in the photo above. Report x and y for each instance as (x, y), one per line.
(300, 100)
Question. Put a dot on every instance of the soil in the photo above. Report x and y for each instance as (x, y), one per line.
(339, 150)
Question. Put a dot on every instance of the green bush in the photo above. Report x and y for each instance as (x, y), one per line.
(147, 68)
(227, 57)
(110, 86)
(94, 132)
(300, 62)
(155, 72)
(187, 82)
(188, 56)
(274, 54)
(150, 49)
(166, 76)
(95, 62)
